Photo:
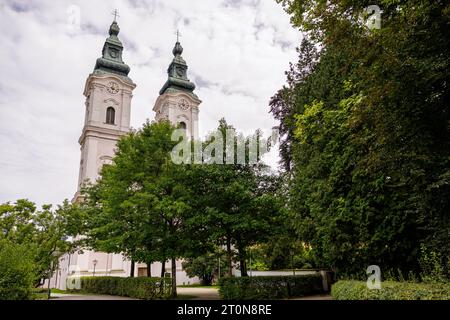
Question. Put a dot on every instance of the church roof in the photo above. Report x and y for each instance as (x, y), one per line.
(177, 72)
(111, 60)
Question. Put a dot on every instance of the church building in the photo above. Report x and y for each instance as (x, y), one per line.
(108, 92)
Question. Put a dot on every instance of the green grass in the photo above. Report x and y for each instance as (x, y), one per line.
(40, 296)
(58, 291)
(390, 290)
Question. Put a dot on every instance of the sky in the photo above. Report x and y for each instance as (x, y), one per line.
(237, 52)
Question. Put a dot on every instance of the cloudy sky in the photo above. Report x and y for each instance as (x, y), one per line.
(237, 52)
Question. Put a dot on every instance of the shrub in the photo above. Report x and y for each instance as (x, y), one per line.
(17, 272)
(140, 288)
(390, 290)
(269, 287)
(39, 294)
(431, 265)
(205, 267)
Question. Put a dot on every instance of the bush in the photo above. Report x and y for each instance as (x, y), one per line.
(269, 287)
(17, 272)
(390, 290)
(39, 294)
(140, 288)
(205, 267)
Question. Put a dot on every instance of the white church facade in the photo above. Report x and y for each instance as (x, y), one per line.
(108, 107)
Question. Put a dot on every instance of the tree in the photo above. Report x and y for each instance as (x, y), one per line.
(17, 271)
(369, 133)
(45, 233)
(139, 207)
(206, 266)
(235, 204)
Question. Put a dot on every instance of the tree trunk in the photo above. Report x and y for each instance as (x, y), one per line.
(149, 269)
(243, 265)
(163, 269)
(206, 280)
(242, 260)
(229, 257)
(132, 269)
(174, 278)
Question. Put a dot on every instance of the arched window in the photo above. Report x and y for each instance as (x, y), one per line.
(110, 115)
(182, 125)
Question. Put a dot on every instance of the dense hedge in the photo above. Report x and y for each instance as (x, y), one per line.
(390, 290)
(17, 272)
(269, 287)
(141, 287)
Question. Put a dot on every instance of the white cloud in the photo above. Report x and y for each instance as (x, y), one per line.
(237, 52)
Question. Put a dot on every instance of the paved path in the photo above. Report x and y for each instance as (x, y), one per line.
(189, 293)
(87, 297)
(199, 293)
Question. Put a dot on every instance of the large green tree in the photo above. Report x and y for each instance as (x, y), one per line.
(139, 207)
(366, 120)
(44, 233)
(235, 203)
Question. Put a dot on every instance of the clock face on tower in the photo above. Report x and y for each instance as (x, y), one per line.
(183, 104)
(112, 87)
(113, 53)
(180, 72)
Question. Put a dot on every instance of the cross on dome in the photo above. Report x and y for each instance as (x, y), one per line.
(115, 13)
(178, 34)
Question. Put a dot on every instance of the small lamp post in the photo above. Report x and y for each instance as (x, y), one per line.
(95, 263)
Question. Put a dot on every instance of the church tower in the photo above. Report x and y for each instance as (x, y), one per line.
(108, 93)
(177, 101)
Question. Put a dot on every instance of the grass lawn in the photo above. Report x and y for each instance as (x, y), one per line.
(58, 291)
(40, 296)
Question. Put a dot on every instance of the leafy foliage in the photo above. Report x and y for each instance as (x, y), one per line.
(140, 288)
(235, 204)
(206, 267)
(367, 124)
(390, 290)
(138, 207)
(17, 271)
(151, 209)
(269, 287)
(45, 233)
